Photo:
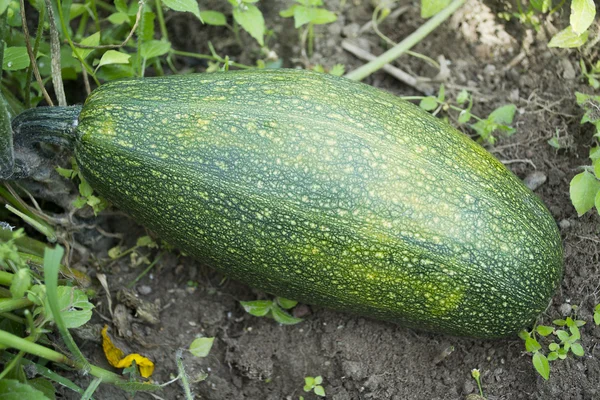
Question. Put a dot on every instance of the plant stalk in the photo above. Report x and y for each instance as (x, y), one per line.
(414, 38)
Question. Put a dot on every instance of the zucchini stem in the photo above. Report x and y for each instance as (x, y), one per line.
(52, 125)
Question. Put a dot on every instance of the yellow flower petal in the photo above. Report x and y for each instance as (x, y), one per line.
(146, 366)
(112, 353)
(117, 358)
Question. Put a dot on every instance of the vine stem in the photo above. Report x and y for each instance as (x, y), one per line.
(401, 48)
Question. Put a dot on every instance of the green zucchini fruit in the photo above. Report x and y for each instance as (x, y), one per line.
(326, 191)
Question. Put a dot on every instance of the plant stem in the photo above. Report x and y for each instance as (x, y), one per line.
(6, 138)
(7, 305)
(36, 48)
(13, 317)
(41, 227)
(87, 395)
(13, 341)
(57, 82)
(207, 57)
(414, 38)
(52, 258)
(6, 278)
(140, 276)
(161, 21)
(183, 376)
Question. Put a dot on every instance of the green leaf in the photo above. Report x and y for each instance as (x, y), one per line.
(553, 346)
(441, 94)
(597, 317)
(316, 16)
(582, 15)
(92, 40)
(213, 18)
(15, 58)
(577, 349)
(559, 322)
(44, 386)
(184, 6)
(79, 202)
(319, 391)
(464, 117)
(541, 5)
(146, 29)
(200, 347)
(463, 97)
(503, 115)
(121, 6)
(258, 308)
(74, 307)
(338, 70)
(552, 356)
(283, 317)
(575, 334)
(113, 57)
(289, 12)
(285, 303)
(562, 335)
(431, 7)
(540, 362)
(532, 345)
(318, 380)
(118, 18)
(523, 334)
(85, 189)
(251, 19)
(583, 191)
(567, 38)
(65, 173)
(145, 241)
(21, 283)
(155, 48)
(3, 6)
(309, 383)
(76, 10)
(428, 103)
(544, 330)
(11, 389)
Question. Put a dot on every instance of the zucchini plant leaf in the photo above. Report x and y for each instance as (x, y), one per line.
(583, 191)
(15, 58)
(540, 362)
(213, 18)
(431, 7)
(582, 15)
(251, 19)
(568, 38)
(200, 347)
(184, 6)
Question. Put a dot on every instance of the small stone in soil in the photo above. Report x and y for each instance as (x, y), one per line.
(535, 180)
(144, 290)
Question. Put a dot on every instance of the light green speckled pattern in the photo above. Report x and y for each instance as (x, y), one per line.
(326, 191)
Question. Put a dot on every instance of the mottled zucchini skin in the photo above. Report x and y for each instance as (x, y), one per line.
(326, 191)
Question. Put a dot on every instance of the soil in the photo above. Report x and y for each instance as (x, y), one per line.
(255, 358)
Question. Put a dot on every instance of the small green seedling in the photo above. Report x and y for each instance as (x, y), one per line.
(593, 75)
(336, 70)
(86, 193)
(568, 341)
(585, 186)
(309, 13)
(477, 376)
(499, 120)
(314, 384)
(272, 309)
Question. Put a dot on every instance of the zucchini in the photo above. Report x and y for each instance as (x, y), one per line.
(323, 190)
